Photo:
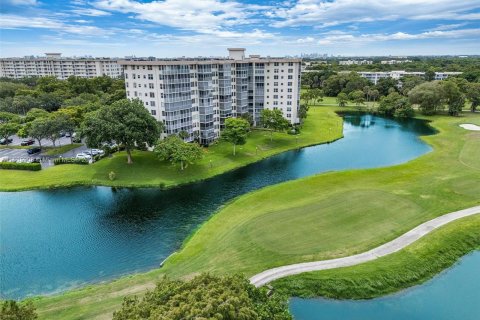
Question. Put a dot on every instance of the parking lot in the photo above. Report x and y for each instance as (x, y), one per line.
(45, 143)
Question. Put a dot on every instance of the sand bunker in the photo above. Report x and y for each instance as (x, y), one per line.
(469, 126)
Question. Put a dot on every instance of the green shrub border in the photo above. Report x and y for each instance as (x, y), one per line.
(21, 166)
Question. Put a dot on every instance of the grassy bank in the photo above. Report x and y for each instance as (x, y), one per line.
(415, 264)
(322, 125)
(321, 217)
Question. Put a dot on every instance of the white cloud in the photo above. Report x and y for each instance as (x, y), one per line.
(10, 21)
(205, 16)
(329, 13)
(90, 12)
(22, 2)
(306, 40)
(330, 39)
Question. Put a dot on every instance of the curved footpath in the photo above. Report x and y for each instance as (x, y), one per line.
(383, 250)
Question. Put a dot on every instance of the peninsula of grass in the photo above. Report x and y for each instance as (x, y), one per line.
(321, 217)
(322, 125)
(411, 266)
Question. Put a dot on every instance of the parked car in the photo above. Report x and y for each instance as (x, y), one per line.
(83, 155)
(62, 134)
(68, 135)
(27, 142)
(34, 150)
(94, 152)
(4, 141)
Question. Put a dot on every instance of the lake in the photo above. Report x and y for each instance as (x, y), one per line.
(54, 240)
(454, 294)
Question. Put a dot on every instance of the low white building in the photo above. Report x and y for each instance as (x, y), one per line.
(374, 76)
(62, 68)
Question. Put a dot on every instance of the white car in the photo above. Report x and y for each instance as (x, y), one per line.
(83, 156)
(96, 151)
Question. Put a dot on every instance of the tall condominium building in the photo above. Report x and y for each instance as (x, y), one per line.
(62, 68)
(197, 95)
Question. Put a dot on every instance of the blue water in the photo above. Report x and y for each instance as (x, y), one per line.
(454, 294)
(53, 240)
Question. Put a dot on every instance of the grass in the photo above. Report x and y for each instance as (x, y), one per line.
(320, 217)
(322, 125)
(53, 151)
(414, 265)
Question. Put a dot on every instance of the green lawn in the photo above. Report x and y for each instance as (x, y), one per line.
(320, 217)
(322, 125)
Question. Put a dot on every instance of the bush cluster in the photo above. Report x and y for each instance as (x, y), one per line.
(59, 161)
(20, 166)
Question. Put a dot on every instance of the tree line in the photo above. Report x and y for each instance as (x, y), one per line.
(395, 97)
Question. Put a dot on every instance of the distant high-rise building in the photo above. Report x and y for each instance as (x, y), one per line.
(62, 68)
(197, 95)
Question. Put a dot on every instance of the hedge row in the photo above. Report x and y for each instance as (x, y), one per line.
(58, 161)
(20, 166)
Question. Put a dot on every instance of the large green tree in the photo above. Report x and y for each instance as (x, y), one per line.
(274, 120)
(126, 122)
(177, 151)
(454, 99)
(235, 131)
(395, 105)
(206, 297)
(428, 95)
(473, 94)
(39, 129)
(342, 99)
(8, 129)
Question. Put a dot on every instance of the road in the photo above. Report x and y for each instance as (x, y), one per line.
(383, 250)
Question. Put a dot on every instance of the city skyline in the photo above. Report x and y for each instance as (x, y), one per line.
(119, 28)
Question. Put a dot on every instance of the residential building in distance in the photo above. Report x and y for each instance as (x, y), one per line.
(374, 76)
(62, 68)
(352, 62)
(197, 95)
(394, 61)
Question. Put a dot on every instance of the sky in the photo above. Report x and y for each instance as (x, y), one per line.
(174, 28)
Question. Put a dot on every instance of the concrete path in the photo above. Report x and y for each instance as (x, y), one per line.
(383, 250)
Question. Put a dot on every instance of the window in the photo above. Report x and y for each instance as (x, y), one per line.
(275, 90)
(149, 68)
(290, 77)
(152, 94)
(275, 84)
(126, 84)
(275, 77)
(290, 70)
(152, 103)
(150, 76)
(290, 84)
(276, 64)
(126, 75)
(289, 90)
(153, 112)
(275, 96)
(150, 85)
(134, 84)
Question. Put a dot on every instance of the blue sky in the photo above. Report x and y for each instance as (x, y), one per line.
(171, 28)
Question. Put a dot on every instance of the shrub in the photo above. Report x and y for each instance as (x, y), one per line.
(12, 310)
(59, 161)
(20, 166)
(112, 176)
